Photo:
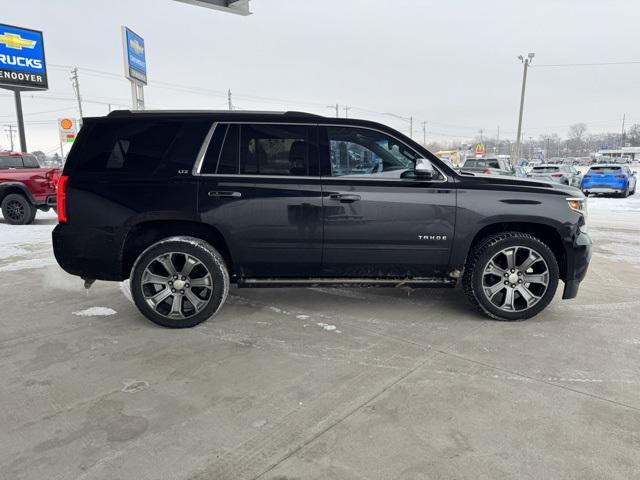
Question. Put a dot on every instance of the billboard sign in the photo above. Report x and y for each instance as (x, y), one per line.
(135, 60)
(22, 62)
(68, 130)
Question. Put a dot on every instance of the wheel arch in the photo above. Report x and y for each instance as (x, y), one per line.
(144, 234)
(546, 233)
(7, 188)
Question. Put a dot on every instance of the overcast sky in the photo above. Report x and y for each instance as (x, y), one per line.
(451, 63)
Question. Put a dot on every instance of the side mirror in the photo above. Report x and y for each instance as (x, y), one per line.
(424, 169)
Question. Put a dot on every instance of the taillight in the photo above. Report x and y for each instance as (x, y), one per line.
(61, 199)
(52, 180)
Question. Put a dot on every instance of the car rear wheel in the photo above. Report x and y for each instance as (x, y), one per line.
(179, 282)
(511, 276)
(625, 194)
(17, 210)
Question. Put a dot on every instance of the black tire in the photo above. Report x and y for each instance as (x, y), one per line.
(17, 209)
(484, 251)
(625, 194)
(197, 249)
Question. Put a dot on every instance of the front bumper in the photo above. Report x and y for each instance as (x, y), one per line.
(578, 254)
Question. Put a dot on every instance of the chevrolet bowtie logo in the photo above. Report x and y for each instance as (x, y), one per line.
(136, 47)
(15, 41)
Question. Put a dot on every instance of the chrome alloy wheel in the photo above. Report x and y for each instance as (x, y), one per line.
(176, 285)
(515, 279)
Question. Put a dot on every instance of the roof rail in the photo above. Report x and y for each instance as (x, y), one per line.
(291, 113)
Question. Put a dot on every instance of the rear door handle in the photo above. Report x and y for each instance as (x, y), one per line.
(217, 194)
(344, 197)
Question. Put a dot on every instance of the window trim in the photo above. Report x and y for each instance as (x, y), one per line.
(197, 167)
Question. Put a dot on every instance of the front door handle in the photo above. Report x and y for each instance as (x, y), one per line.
(217, 194)
(344, 197)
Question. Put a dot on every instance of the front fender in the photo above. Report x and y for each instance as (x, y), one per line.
(478, 209)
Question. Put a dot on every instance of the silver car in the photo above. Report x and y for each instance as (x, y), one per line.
(565, 174)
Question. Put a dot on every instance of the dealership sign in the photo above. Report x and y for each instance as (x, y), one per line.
(22, 62)
(135, 60)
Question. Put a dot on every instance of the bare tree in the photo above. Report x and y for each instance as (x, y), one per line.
(576, 134)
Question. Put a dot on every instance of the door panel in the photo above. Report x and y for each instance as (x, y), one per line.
(379, 226)
(273, 226)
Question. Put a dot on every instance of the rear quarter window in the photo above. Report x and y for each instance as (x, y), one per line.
(140, 147)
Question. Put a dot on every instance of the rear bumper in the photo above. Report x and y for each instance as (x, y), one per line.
(578, 257)
(603, 189)
(87, 252)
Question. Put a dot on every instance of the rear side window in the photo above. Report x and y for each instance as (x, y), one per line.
(145, 147)
(274, 150)
(10, 162)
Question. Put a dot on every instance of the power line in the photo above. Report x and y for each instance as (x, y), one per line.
(597, 64)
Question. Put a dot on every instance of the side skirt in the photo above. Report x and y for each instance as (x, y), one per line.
(430, 282)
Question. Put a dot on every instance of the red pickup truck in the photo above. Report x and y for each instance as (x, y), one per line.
(25, 187)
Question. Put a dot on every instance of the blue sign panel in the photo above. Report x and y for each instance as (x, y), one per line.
(22, 62)
(135, 56)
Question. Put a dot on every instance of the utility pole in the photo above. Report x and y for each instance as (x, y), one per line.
(76, 89)
(526, 61)
(498, 142)
(411, 127)
(229, 100)
(623, 132)
(480, 132)
(9, 131)
(335, 107)
(346, 111)
(424, 134)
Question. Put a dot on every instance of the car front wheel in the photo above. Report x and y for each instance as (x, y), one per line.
(179, 282)
(17, 210)
(511, 276)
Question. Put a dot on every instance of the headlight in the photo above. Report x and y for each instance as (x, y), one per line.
(579, 205)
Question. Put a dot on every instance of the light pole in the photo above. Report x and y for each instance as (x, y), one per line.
(526, 62)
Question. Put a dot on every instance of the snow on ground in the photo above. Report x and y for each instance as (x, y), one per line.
(95, 312)
(614, 226)
(27, 246)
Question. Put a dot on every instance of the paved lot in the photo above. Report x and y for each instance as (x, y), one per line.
(409, 385)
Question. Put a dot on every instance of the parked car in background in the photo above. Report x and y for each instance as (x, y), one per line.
(612, 179)
(565, 174)
(25, 187)
(493, 166)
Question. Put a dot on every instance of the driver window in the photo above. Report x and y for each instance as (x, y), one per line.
(367, 153)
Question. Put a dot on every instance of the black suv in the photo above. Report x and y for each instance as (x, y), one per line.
(185, 203)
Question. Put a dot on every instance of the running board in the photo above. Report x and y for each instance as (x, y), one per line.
(422, 282)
